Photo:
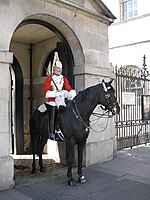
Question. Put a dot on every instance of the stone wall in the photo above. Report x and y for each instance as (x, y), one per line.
(6, 161)
(86, 31)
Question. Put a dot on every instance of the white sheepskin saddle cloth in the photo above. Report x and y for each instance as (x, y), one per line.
(42, 108)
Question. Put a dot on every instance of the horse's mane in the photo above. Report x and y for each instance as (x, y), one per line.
(84, 93)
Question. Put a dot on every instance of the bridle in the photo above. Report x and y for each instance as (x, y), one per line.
(76, 112)
(111, 105)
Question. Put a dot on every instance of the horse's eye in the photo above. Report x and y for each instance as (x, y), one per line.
(107, 96)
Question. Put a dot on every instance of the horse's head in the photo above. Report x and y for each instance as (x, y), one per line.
(108, 98)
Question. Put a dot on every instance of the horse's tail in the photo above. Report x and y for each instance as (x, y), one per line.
(31, 124)
(33, 134)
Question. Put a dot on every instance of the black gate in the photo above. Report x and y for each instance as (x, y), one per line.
(132, 86)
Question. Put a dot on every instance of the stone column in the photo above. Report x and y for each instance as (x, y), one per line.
(6, 161)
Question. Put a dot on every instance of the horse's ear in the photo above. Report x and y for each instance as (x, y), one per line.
(104, 86)
(110, 82)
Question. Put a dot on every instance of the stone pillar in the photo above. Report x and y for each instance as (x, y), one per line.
(6, 161)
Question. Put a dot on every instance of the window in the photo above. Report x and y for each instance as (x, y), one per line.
(129, 9)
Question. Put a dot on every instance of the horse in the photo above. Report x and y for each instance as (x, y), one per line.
(74, 124)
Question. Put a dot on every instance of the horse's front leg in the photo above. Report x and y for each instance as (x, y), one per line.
(33, 153)
(70, 160)
(33, 164)
(81, 146)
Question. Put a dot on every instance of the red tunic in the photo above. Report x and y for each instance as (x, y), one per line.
(48, 86)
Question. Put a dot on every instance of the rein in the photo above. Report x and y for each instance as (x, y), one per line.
(88, 127)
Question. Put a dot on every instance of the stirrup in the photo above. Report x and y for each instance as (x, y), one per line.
(58, 131)
(59, 135)
(51, 136)
(55, 136)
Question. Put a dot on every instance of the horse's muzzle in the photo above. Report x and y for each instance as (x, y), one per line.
(116, 108)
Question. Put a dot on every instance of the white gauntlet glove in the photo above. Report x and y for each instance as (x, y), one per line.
(65, 93)
(58, 94)
(52, 94)
(72, 93)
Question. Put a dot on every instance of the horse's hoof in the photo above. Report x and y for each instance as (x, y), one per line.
(33, 171)
(71, 183)
(82, 179)
(42, 169)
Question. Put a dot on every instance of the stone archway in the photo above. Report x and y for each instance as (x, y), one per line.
(33, 81)
(17, 112)
(85, 27)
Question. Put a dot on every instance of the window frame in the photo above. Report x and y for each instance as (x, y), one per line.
(129, 9)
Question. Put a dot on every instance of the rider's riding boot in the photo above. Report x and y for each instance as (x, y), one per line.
(51, 112)
(58, 133)
(62, 108)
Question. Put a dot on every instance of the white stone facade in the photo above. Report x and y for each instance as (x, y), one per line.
(129, 40)
(85, 27)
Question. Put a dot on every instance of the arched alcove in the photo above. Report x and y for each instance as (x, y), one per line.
(17, 136)
(25, 44)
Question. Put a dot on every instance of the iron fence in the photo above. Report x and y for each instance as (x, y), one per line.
(131, 84)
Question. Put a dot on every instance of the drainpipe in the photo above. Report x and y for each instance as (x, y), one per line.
(31, 81)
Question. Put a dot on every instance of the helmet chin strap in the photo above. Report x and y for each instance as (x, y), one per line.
(56, 73)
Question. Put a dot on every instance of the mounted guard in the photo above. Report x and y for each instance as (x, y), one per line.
(76, 130)
(56, 90)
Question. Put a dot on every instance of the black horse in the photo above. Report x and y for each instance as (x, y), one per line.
(74, 124)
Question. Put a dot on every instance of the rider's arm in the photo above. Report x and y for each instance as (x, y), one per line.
(66, 85)
(69, 88)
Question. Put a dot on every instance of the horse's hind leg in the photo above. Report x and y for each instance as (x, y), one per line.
(34, 139)
(33, 165)
(81, 146)
(42, 168)
(33, 153)
(70, 159)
